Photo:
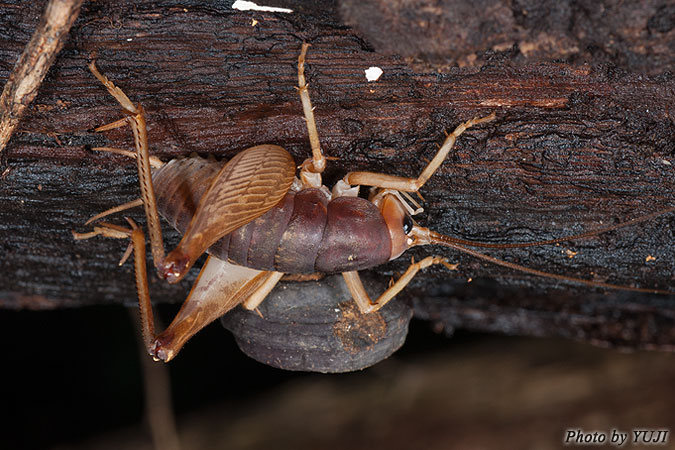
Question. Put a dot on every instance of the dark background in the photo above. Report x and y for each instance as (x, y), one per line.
(72, 379)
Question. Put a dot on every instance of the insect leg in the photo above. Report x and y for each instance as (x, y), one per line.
(116, 209)
(138, 244)
(112, 125)
(311, 169)
(116, 92)
(154, 161)
(142, 290)
(136, 120)
(413, 184)
(362, 299)
(106, 230)
(220, 287)
(258, 296)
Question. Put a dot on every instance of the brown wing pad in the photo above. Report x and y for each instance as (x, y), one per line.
(250, 184)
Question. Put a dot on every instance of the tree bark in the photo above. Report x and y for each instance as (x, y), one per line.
(574, 146)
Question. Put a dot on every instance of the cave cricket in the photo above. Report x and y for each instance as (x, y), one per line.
(259, 221)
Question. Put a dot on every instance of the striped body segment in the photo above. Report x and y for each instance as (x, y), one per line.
(305, 232)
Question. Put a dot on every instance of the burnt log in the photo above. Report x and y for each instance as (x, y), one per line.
(636, 36)
(574, 147)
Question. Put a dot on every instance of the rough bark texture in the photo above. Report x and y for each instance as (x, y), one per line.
(637, 36)
(573, 147)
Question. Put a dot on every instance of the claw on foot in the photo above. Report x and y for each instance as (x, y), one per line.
(160, 350)
(174, 267)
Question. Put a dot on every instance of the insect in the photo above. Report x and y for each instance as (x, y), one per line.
(259, 221)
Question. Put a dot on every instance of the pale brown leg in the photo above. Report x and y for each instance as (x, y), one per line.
(220, 287)
(138, 244)
(116, 209)
(362, 299)
(119, 123)
(258, 296)
(311, 169)
(413, 184)
(106, 230)
(154, 161)
(358, 292)
(136, 121)
(142, 289)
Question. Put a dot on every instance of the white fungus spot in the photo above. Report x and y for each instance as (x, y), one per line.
(242, 5)
(373, 73)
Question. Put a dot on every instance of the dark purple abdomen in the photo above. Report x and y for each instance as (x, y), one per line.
(304, 233)
(356, 237)
(299, 245)
(347, 233)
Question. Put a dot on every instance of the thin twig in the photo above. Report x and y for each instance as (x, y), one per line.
(36, 59)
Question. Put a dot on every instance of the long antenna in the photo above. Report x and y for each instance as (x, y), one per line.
(463, 242)
(446, 241)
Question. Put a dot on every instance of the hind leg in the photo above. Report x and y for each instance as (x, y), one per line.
(136, 120)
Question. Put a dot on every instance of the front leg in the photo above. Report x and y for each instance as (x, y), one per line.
(362, 298)
(404, 184)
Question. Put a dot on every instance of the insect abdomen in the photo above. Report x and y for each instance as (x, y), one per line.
(345, 234)
(299, 245)
(179, 184)
(304, 233)
(356, 237)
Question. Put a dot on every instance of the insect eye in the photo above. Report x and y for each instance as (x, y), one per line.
(407, 224)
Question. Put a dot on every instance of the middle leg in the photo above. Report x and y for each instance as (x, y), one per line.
(311, 169)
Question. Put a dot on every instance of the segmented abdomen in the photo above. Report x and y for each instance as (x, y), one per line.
(304, 233)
